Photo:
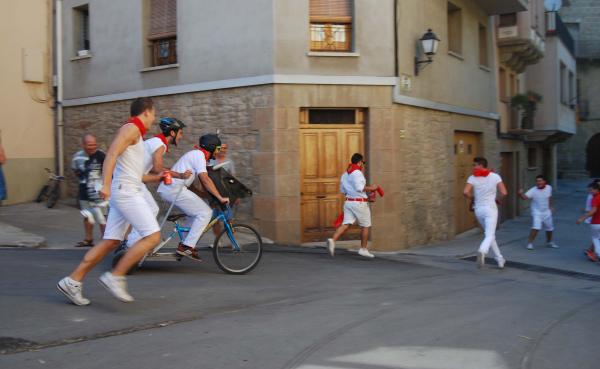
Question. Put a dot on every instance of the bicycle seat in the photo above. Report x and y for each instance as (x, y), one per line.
(175, 217)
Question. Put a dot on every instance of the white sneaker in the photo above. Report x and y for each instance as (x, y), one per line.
(88, 215)
(117, 286)
(72, 289)
(331, 246)
(552, 245)
(480, 260)
(530, 246)
(365, 252)
(501, 263)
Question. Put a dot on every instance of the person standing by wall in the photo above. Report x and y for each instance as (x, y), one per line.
(541, 210)
(483, 187)
(353, 185)
(2, 180)
(122, 183)
(85, 163)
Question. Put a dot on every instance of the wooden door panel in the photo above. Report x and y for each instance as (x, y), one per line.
(310, 155)
(466, 148)
(329, 210)
(330, 188)
(310, 215)
(329, 150)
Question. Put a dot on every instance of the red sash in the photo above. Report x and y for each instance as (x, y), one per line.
(138, 123)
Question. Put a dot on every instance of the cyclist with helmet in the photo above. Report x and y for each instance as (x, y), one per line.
(198, 211)
(154, 150)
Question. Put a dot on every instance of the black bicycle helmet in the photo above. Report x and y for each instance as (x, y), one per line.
(168, 125)
(210, 142)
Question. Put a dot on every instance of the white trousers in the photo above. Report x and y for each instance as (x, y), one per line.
(488, 218)
(198, 212)
(128, 207)
(595, 230)
(135, 236)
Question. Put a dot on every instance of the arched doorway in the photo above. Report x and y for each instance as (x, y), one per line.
(592, 163)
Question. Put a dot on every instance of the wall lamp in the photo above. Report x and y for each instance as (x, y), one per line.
(429, 44)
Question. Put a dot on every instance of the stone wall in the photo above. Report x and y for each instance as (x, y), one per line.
(232, 111)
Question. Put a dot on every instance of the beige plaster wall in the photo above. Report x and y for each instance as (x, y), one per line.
(26, 128)
(374, 41)
(448, 74)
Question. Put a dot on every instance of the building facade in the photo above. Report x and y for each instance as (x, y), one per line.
(312, 83)
(579, 157)
(27, 126)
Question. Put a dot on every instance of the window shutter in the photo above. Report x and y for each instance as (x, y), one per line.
(163, 19)
(331, 11)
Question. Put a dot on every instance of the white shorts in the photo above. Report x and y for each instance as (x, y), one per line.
(129, 207)
(357, 211)
(99, 212)
(542, 220)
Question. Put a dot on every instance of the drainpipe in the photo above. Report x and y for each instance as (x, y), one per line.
(59, 89)
(396, 68)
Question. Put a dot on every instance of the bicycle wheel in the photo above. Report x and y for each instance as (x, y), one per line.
(43, 193)
(53, 197)
(241, 261)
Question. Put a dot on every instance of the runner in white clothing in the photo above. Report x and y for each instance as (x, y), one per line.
(122, 185)
(154, 150)
(198, 212)
(482, 187)
(541, 210)
(356, 207)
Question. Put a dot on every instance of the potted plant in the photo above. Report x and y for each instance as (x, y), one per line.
(527, 105)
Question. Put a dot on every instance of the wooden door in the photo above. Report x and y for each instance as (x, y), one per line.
(466, 148)
(509, 203)
(325, 153)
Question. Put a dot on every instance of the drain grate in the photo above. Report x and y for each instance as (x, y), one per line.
(10, 344)
(541, 269)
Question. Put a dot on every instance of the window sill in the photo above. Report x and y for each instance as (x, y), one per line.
(76, 58)
(456, 55)
(333, 53)
(160, 67)
(484, 68)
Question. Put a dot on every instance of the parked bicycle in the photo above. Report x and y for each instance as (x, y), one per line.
(51, 190)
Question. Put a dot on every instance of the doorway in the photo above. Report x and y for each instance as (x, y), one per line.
(592, 163)
(508, 209)
(328, 138)
(466, 148)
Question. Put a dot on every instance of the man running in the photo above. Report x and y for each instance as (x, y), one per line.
(154, 150)
(198, 211)
(483, 187)
(353, 185)
(594, 213)
(541, 210)
(122, 176)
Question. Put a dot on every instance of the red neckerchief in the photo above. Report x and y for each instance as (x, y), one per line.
(353, 167)
(480, 172)
(163, 139)
(138, 123)
(206, 153)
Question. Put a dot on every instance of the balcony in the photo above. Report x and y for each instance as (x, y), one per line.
(496, 7)
(556, 27)
(519, 44)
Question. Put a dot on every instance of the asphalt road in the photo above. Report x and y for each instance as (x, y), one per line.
(299, 310)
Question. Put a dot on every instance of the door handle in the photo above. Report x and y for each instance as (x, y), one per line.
(321, 197)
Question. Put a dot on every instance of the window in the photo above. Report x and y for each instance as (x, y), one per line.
(507, 20)
(572, 96)
(163, 32)
(502, 84)
(532, 157)
(81, 28)
(563, 85)
(331, 25)
(454, 29)
(483, 45)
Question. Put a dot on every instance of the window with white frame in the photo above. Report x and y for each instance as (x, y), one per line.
(162, 33)
(331, 25)
(81, 30)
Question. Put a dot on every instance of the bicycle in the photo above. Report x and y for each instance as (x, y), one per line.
(51, 190)
(238, 253)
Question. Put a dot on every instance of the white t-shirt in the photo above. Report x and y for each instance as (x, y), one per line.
(353, 185)
(192, 160)
(540, 199)
(150, 146)
(485, 189)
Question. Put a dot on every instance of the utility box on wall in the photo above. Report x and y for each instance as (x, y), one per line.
(33, 65)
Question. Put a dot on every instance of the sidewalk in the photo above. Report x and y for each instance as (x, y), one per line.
(61, 228)
(569, 201)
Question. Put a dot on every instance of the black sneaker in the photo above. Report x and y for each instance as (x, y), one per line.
(188, 252)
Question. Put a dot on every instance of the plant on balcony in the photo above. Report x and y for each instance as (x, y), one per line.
(527, 105)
